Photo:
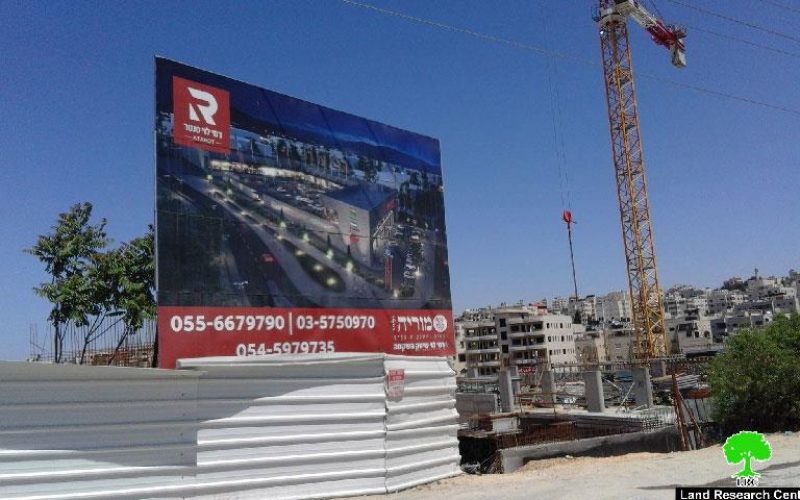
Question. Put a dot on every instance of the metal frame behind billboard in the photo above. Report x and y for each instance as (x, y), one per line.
(288, 227)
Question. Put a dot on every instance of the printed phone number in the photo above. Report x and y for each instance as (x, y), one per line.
(309, 347)
(334, 322)
(230, 323)
(244, 322)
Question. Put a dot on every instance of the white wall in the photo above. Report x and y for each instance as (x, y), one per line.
(120, 432)
(272, 427)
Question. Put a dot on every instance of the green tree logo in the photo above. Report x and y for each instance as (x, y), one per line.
(746, 445)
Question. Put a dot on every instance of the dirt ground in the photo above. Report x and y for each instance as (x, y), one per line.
(632, 476)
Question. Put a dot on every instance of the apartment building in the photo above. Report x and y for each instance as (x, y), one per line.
(590, 347)
(615, 307)
(527, 337)
(689, 335)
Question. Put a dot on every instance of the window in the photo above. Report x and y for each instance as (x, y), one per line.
(503, 335)
(502, 322)
(549, 339)
(505, 348)
(563, 351)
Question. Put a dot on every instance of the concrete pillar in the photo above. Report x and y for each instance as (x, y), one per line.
(549, 385)
(506, 390)
(472, 372)
(593, 385)
(658, 368)
(515, 382)
(642, 388)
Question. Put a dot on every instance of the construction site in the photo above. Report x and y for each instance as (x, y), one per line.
(299, 340)
(562, 411)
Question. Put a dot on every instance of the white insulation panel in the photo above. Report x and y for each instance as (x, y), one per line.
(422, 426)
(290, 426)
(317, 426)
(96, 432)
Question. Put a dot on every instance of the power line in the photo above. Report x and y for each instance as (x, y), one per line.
(742, 40)
(718, 93)
(735, 38)
(737, 21)
(564, 55)
(558, 126)
(780, 5)
(477, 34)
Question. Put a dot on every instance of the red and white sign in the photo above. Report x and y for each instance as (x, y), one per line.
(395, 383)
(201, 116)
(188, 332)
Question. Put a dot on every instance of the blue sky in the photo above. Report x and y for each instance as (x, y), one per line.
(76, 124)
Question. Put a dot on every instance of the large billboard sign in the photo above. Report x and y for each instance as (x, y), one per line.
(288, 227)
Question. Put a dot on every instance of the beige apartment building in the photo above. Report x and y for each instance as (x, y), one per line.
(523, 336)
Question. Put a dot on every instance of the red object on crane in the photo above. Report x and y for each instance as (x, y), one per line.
(566, 216)
(667, 35)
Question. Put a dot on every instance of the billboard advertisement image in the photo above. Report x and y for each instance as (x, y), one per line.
(288, 227)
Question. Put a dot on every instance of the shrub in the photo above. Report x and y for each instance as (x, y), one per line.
(755, 383)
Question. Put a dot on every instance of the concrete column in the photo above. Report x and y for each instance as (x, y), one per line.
(658, 368)
(594, 391)
(642, 388)
(506, 390)
(549, 385)
(515, 382)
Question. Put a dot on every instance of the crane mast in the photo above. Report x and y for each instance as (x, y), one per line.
(626, 147)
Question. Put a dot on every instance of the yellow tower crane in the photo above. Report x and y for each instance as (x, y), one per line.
(626, 148)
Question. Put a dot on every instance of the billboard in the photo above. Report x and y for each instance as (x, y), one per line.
(284, 226)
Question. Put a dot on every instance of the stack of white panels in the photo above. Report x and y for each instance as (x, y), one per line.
(80, 431)
(291, 426)
(422, 426)
(317, 426)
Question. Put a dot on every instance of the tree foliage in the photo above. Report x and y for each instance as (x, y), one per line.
(68, 254)
(756, 382)
(88, 282)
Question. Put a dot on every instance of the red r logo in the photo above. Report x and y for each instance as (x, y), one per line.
(201, 116)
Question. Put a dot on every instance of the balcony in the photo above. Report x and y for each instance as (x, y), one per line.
(534, 347)
(532, 361)
(485, 336)
(522, 335)
(482, 350)
(484, 364)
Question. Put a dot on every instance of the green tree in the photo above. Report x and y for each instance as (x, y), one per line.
(755, 383)
(129, 276)
(89, 284)
(746, 446)
(68, 253)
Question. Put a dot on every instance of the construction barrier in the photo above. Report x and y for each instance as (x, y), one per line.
(422, 425)
(79, 431)
(273, 427)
